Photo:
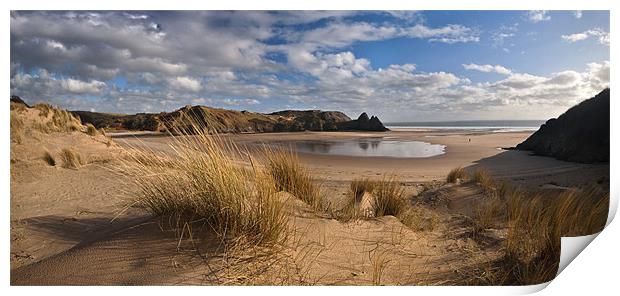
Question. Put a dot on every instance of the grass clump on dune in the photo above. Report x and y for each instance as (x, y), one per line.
(204, 181)
(456, 174)
(359, 186)
(289, 175)
(389, 198)
(354, 195)
(71, 159)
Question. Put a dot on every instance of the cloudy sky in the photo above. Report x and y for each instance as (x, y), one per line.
(399, 65)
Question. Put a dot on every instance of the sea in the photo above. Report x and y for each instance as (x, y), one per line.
(470, 125)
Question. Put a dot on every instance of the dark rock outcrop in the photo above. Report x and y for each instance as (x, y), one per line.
(232, 121)
(363, 123)
(18, 100)
(581, 134)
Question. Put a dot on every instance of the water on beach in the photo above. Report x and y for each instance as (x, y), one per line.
(369, 147)
(471, 125)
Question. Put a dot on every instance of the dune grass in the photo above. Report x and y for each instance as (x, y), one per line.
(359, 186)
(60, 121)
(44, 109)
(91, 130)
(71, 159)
(49, 158)
(535, 222)
(482, 177)
(204, 181)
(354, 195)
(291, 176)
(389, 197)
(456, 174)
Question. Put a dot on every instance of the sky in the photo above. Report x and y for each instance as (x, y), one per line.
(399, 65)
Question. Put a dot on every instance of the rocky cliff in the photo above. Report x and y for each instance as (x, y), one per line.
(581, 134)
(232, 121)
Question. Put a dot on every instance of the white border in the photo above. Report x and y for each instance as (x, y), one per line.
(593, 271)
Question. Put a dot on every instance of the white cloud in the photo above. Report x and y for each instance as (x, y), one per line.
(536, 16)
(603, 37)
(575, 37)
(185, 83)
(77, 86)
(237, 102)
(488, 68)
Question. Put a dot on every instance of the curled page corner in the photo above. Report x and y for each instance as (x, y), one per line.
(572, 247)
(531, 289)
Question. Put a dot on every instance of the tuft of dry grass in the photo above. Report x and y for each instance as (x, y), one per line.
(488, 214)
(289, 175)
(379, 262)
(91, 130)
(389, 198)
(49, 158)
(456, 174)
(357, 188)
(44, 109)
(203, 181)
(482, 177)
(18, 107)
(71, 159)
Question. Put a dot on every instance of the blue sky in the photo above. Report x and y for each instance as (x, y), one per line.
(399, 65)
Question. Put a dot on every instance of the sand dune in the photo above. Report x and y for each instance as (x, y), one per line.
(68, 226)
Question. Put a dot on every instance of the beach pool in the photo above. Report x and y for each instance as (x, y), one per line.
(366, 147)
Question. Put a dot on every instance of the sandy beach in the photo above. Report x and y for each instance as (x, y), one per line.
(468, 149)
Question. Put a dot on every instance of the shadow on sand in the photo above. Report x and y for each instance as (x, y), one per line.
(126, 251)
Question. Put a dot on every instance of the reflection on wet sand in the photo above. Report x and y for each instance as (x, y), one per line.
(372, 147)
